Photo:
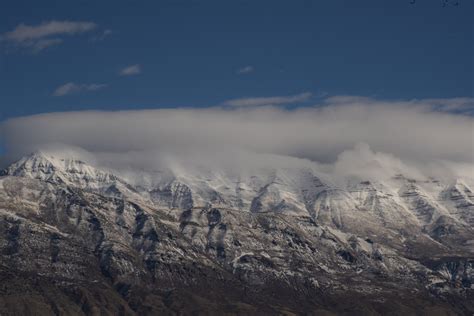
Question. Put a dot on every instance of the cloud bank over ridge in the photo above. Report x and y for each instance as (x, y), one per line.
(343, 135)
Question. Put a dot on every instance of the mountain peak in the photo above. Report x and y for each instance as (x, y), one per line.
(64, 169)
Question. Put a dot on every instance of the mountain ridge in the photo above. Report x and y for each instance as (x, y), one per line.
(292, 190)
(286, 232)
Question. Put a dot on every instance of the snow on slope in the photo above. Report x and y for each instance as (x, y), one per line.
(400, 203)
(71, 171)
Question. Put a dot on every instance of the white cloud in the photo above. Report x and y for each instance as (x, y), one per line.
(245, 70)
(261, 101)
(362, 137)
(39, 37)
(73, 88)
(362, 162)
(131, 70)
(25, 32)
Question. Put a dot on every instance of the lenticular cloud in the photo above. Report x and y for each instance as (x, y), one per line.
(343, 135)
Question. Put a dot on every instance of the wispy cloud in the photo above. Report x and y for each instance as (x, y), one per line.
(73, 88)
(276, 100)
(131, 70)
(453, 105)
(101, 36)
(41, 44)
(46, 34)
(245, 70)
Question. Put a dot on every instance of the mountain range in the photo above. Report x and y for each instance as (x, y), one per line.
(80, 238)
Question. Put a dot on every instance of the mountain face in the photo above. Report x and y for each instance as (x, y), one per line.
(79, 239)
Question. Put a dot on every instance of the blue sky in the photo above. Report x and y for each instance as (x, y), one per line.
(202, 53)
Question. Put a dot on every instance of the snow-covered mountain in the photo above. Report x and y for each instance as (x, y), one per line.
(62, 170)
(417, 206)
(288, 231)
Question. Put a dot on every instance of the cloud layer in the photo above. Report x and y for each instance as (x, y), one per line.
(353, 136)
